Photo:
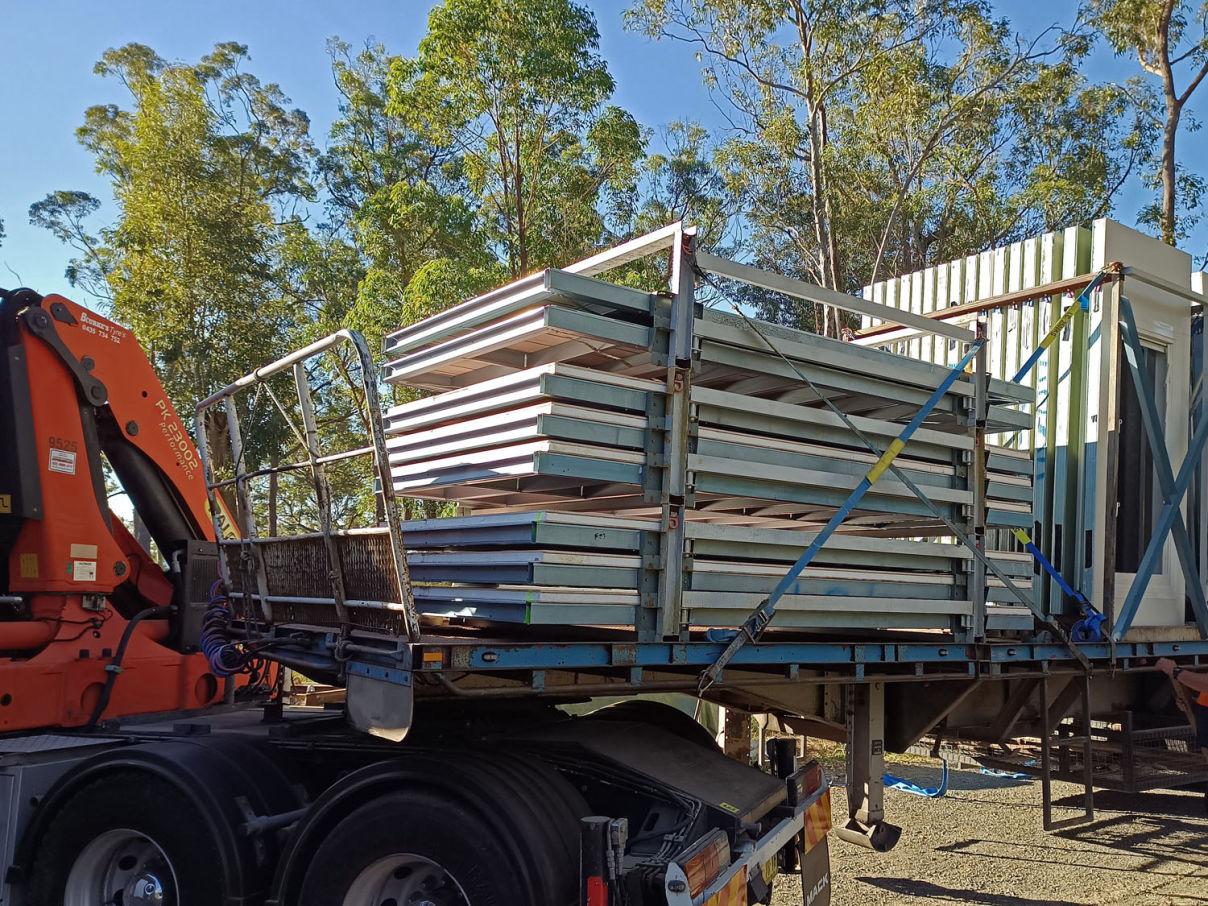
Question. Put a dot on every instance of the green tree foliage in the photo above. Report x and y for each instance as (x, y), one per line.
(398, 197)
(206, 164)
(679, 183)
(518, 89)
(938, 159)
(64, 213)
(682, 183)
(1170, 41)
(877, 136)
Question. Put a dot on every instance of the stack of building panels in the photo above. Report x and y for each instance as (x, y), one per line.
(548, 568)
(551, 410)
(542, 568)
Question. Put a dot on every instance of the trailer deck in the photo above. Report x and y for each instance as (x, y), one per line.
(633, 473)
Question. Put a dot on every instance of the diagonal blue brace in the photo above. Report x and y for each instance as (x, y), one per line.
(754, 625)
(1173, 489)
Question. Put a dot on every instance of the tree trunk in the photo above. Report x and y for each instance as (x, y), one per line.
(518, 186)
(218, 442)
(819, 200)
(823, 234)
(142, 534)
(504, 172)
(1169, 131)
(1171, 127)
(828, 251)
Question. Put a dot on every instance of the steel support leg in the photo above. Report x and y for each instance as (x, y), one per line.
(866, 825)
(1051, 715)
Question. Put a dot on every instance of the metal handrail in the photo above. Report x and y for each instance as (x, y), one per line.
(295, 362)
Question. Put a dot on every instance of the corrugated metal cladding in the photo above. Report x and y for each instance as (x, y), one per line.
(1082, 390)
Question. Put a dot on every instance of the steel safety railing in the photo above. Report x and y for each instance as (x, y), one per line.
(316, 463)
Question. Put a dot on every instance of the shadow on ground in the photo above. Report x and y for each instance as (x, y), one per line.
(936, 893)
(1184, 804)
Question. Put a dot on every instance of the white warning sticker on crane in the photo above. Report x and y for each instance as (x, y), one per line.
(62, 461)
(83, 570)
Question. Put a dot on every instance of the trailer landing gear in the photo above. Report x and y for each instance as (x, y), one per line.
(866, 825)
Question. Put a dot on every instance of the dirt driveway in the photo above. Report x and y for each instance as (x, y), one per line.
(983, 843)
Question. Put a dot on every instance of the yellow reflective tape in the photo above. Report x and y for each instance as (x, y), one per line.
(6, 503)
(29, 566)
(884, 462)
(769, 870)
(1022, 536)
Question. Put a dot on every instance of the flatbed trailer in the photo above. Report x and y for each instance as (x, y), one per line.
(624, 535)
(877, 677)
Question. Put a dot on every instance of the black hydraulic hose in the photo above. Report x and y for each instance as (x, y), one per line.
(115, 666)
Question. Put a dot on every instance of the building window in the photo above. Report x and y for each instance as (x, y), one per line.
(1138, 494)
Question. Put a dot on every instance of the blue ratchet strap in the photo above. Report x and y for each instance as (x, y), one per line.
(1083, 303)
(1086, 629)
(754, 625)
(1011, 775)
(930, 792)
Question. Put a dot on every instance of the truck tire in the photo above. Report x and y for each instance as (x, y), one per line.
(130, 838)
(409, 843)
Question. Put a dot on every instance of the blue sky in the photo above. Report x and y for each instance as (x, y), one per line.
(53, 44)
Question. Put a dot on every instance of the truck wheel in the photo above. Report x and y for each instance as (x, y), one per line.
(412, 847)
(132, 839)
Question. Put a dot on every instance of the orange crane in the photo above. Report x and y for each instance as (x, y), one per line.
(91, 626)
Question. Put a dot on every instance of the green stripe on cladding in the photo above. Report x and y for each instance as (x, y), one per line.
(1075, 477)
(1052, 249)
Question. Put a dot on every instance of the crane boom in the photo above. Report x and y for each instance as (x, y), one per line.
(80, 592)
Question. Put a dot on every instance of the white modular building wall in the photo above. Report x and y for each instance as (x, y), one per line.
(1084, 406)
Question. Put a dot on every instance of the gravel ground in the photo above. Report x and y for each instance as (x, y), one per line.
(983, 843)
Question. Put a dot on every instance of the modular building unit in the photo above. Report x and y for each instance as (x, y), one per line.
(1097, 491)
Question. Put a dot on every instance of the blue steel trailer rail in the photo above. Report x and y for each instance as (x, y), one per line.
(396, 663)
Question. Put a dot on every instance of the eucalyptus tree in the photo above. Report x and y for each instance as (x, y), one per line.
(1170, 40)
(400, 198)
(205, 164)
(682, 182)
(868, 137)
(519, 90)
